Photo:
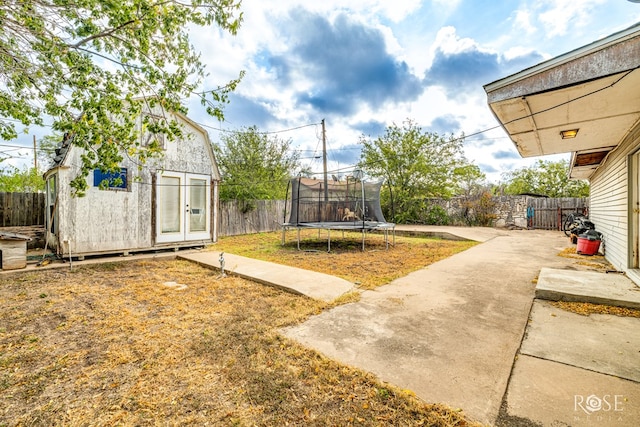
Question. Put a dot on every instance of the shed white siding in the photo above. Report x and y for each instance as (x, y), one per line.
(122, 220)
(610, 201)
(104, 220)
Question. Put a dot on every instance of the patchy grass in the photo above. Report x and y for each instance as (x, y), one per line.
(587, 308)
(376, 266)
(596, 263)
(590, 262)
(113, 345)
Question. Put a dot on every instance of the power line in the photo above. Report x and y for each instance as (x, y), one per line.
(263, 133)
(455, 139)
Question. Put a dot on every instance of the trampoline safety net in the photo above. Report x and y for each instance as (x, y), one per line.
(350, 203)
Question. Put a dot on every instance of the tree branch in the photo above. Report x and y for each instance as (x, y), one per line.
(102, 34)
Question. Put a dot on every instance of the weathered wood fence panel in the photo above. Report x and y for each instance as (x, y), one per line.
(21, 209)
(549, 214)
(244, 217)
(253, 216)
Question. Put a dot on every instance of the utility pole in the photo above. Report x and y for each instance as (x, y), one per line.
(35, 155)
(324, 163)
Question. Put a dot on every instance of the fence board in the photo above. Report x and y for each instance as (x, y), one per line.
(548, 214)
(254, 216)
(21, 209)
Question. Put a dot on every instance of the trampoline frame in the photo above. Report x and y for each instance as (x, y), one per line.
(364, 226)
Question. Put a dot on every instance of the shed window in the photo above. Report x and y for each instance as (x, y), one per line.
(111, 180)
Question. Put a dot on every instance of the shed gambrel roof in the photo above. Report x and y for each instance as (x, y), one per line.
(66, 144)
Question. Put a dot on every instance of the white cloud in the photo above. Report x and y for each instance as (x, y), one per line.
(522, 22)
(560, 16)
(448, 42)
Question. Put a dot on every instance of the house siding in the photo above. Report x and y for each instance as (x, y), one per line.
(610, 201)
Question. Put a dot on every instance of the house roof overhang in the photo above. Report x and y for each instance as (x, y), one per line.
(594, 89)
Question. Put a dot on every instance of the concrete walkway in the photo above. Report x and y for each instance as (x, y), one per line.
(453, 332)
(588, 286)
(303, 282)
(477, 234)
(449, 332)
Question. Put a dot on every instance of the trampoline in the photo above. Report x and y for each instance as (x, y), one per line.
(348, 205)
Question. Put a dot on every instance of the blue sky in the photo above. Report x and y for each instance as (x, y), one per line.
(362, 65)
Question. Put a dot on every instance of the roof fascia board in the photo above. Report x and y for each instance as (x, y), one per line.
(629, 33)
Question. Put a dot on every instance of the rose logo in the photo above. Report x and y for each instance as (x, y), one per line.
(593, 403)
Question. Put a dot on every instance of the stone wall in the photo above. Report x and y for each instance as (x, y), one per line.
(508, 211)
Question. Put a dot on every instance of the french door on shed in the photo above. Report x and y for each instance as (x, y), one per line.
(183, 207)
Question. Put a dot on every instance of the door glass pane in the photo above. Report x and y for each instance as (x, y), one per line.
(197, 205)
(52, 195)
(170, 204)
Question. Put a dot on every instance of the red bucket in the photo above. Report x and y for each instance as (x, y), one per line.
(587, 247)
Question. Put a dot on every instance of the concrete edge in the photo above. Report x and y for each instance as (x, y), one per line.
(439, 234)
(552, 295)
(245, 276)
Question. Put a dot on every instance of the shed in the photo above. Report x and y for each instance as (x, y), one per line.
(170, 202)
(13, 250)
(586, 102)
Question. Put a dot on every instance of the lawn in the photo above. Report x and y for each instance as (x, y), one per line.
(169, 343)
(377, 265)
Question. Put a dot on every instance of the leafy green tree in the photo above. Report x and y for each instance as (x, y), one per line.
(545, 177)
(471, 180)
(25, 180)
(91, 66)
(415, 165)
(47, 150)
(255, 166)
(29, 179)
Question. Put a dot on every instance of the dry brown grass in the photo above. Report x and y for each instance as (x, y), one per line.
(587, 308)
(376, 266)
(589, 262)
(112, 345)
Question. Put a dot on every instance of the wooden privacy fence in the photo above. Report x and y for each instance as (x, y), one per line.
(549, 214)
(255, 216)
(237, 217)
(21, 209)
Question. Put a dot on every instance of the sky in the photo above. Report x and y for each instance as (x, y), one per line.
(363, 65)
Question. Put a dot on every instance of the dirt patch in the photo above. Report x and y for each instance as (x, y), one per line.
(112, 345)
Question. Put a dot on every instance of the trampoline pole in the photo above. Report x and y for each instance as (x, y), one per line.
(328, 240)
(286, 200)
(363, 240)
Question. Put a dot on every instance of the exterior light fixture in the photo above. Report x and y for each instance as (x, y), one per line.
(568, 134)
